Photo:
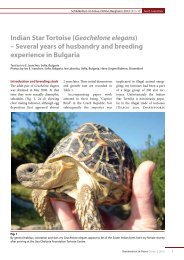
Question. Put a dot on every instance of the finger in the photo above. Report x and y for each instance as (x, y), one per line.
(65, 215)
(142, 190)
(142, 201)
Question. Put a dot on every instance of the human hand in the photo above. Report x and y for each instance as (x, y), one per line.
(142, 214)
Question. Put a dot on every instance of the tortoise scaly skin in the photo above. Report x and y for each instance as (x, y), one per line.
(91, 166)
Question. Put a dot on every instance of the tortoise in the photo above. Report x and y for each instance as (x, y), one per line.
(91, 166)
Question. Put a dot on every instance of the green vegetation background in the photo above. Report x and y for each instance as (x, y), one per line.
(36, 141)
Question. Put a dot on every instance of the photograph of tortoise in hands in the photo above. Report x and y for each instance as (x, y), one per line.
(92, 166)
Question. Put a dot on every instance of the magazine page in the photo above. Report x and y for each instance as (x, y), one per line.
(90, 99)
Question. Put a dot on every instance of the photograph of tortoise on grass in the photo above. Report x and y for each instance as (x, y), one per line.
(90, 181)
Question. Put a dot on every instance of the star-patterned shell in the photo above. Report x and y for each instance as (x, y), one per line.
(100, 151)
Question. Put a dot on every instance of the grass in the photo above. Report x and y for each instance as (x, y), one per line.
(20, 191)
(24, 217)
(19, 215)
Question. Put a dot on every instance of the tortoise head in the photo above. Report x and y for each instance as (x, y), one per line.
(46, 175)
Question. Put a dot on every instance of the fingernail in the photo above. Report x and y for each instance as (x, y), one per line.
(152, 167)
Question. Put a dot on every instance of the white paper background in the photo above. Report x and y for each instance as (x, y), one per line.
(163, 58)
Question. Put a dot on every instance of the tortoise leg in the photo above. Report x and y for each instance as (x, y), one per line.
(43, 206)
(87, 210)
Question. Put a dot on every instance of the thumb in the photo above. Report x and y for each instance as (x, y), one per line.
(142, 201)
(65, 215)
